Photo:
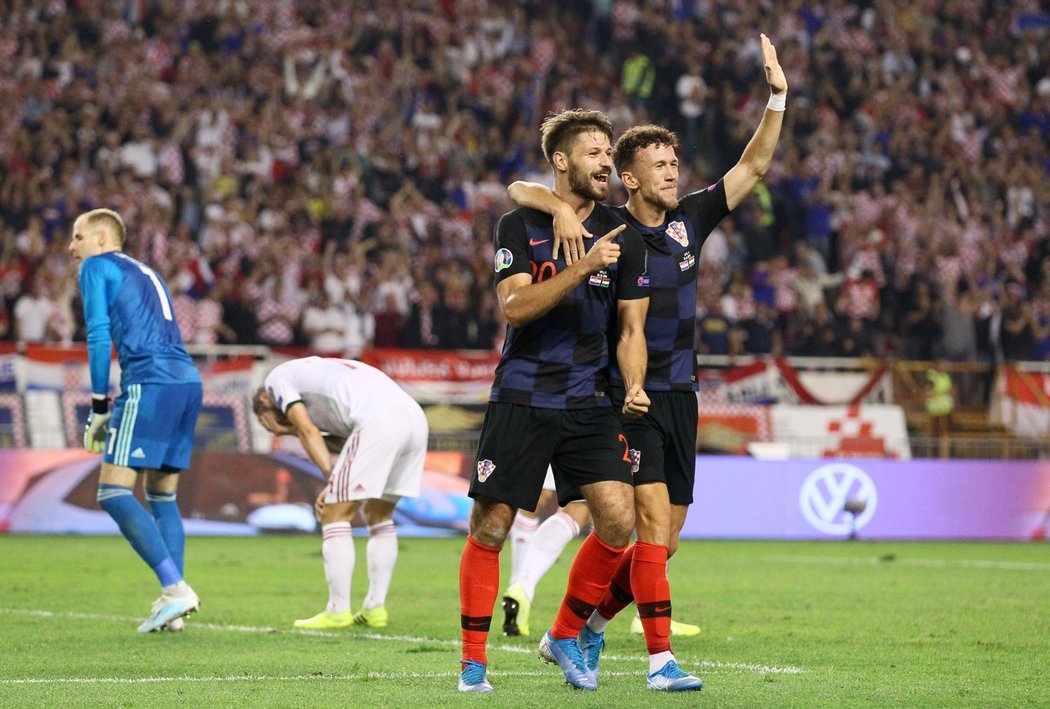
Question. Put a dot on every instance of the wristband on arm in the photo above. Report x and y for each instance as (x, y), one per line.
(99, 404)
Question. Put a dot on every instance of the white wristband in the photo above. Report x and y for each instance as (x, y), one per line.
(777, 102)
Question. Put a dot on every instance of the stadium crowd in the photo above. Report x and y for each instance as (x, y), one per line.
(328, 174)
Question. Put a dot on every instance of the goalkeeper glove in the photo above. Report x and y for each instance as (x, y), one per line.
(98, 420)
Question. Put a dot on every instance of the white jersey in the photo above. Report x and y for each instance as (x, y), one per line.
(385, 429)
(341, 395)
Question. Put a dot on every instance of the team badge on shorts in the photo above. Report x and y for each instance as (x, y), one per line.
(504, 258)
(677, 231)
(485, 468)
(636, 459)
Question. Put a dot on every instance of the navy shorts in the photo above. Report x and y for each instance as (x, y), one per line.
(665, 441)
(152, 426)
(518, 442)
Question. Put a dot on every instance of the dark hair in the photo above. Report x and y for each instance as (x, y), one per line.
(559, 129)
(637, 138)
(261, 401)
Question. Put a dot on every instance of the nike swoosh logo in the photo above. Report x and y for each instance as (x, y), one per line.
(661, 609)
(533, 242)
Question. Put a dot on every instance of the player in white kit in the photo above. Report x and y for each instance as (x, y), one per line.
(383, 436)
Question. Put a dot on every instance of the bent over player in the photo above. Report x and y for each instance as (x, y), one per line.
(150, 429)
(550, 402)
(383, 432)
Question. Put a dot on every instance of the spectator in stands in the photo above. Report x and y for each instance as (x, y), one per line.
(355, 118)
(1041, 323)
(691, 90)
(239, 323)
(921, 325)
(324, 324)
(360, 326)
(716, 334)
(857, 340)
(638, 75)
(959, 320)
(1016, 334)
(419, 330)
(859, 297)
(759, 334)
(34, 311)
(819, 335)
(278, 316)
(209, 314)
(388, 324)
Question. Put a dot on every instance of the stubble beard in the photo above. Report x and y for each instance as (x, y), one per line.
(580, 184)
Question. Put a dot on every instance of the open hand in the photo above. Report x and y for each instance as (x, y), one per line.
(774, 72)
(95, 432)
(569, 233)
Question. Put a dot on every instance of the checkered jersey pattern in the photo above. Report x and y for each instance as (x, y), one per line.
(674, 256)
(561, 360)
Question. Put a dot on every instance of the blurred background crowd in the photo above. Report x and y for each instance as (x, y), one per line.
(328, 174)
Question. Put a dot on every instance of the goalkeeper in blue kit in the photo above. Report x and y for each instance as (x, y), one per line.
(150, 427)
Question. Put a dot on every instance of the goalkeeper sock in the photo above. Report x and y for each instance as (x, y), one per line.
(169, 521)
(140, 530)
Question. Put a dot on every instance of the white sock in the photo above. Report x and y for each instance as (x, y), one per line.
(548, 543)
(382, 555)
(338, 552)
(521, 533)
(178, 589)
(657, 661)
(597, 622)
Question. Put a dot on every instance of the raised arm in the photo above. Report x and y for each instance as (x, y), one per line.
(523, 301)
(568, 229)
(758, 154)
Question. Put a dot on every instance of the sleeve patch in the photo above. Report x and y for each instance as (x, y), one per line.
(504, 258)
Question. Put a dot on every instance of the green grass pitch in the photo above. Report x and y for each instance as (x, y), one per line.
(785, 624)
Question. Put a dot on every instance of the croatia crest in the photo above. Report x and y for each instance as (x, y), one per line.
(636, 459)
(485, 468)
(676, 230)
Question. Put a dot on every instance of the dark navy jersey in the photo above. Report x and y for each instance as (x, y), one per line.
(674, 256)
(128, 304)
(561, 359)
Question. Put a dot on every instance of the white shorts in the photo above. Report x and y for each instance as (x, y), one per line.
(548, 482)
(382, 460)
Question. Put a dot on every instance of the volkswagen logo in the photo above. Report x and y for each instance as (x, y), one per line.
(824, 494)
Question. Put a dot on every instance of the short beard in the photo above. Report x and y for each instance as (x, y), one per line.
(658, 200)
(580, 184)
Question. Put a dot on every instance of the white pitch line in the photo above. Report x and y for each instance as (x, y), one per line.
(276, 678)
(932, 563)
(502, 647)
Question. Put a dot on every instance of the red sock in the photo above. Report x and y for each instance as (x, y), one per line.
(619, 595)
(652, 593)
(589, 577)
(478, 587)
